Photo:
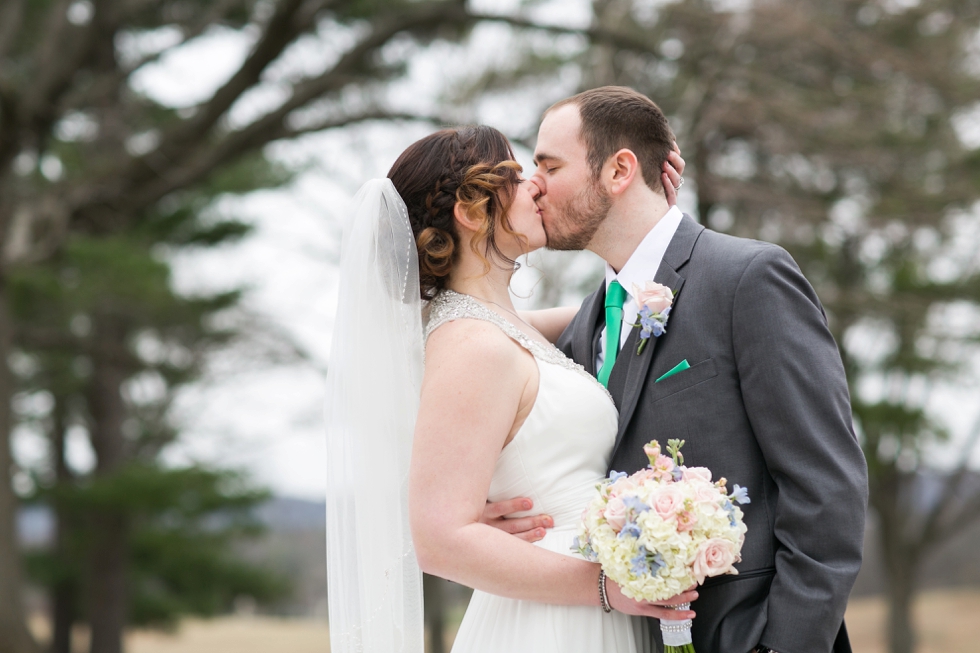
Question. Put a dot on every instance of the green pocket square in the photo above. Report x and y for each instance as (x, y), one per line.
(680, 367)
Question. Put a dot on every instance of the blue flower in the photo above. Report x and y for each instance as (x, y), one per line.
(630, 528)
(656, 562)
(730, 509)
(615, 476)
(635, 505)
(639, 562)
(740, 495)
(677, 474)
(645, 562)
(665, 313)
(585, 549)
(658, 329)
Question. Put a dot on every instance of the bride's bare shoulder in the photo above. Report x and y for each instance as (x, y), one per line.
(469, 342)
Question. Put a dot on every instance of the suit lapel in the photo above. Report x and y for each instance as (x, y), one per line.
(584, 337)
(677, 255)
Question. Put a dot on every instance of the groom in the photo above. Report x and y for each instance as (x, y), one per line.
(747, 373)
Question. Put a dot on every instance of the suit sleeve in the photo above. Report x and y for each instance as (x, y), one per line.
(564, 342)
(796, 397)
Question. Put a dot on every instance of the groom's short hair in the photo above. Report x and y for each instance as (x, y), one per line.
(617, 117)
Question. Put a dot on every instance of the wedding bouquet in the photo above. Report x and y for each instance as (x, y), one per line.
(663, 529)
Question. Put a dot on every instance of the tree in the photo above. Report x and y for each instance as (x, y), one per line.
(81, 152)
(130, 534)
(831, 128)
(87, 160)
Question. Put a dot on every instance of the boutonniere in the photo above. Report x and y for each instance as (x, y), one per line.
(655, 301)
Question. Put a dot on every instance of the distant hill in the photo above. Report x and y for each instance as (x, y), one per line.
(296, 546)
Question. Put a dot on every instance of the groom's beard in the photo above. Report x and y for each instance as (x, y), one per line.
(579, 218)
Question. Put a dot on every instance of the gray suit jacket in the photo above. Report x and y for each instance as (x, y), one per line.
(764, 404)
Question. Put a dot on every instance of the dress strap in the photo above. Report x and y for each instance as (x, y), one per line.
(450, 305)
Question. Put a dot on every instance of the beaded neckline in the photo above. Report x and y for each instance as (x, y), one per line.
(450, 305)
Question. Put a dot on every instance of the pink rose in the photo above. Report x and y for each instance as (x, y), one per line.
(706, 493)
(615, 514)
(701, 473)
(714, 558)
(654, 296)
(643, 475)
(666, 501)
(624, 484)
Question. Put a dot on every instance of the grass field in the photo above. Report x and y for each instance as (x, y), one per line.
(949, 622)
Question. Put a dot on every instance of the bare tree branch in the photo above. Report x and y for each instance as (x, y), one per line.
(110, 84)
(249, 140)
(936, 528)
(59, 56)
(131, 192)
(279, 33)
(598, 35)
(11, 18)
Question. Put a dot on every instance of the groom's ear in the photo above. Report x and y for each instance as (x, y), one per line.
(620, 171)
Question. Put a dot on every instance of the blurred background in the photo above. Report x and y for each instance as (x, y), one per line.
(174, 176)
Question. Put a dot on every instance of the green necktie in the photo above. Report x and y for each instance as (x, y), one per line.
(615, 297)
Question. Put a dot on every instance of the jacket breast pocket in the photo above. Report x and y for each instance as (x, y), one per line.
(697, 373)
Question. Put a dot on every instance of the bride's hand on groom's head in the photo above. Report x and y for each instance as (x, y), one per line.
(672, 175)
(530, 529)
(657, 610)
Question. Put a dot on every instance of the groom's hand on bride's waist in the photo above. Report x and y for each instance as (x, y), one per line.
(530, 529)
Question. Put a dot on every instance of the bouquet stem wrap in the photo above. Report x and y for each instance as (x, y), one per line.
(677, 634)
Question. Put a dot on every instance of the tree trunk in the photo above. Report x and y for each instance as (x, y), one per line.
(900, 558)
(107, 574)
(435, 612)
(64, 593)
(901, 635)
(14, 635)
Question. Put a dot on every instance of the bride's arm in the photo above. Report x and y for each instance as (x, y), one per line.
(550, 322)
(475, 384)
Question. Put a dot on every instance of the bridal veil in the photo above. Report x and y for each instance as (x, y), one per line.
(373, 386)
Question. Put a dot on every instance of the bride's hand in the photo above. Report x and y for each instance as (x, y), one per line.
(658, 609)
(672, 175)
(530, 529)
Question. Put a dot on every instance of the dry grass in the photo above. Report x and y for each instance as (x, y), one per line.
(949, 622)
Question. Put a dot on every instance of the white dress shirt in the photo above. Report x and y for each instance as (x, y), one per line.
(641, 267)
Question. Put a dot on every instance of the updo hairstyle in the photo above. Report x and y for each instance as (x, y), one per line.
(471, 165)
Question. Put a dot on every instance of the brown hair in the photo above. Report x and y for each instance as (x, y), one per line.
(471, 165)
(617, 117)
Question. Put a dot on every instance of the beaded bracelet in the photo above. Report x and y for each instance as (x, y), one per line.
(603, 597)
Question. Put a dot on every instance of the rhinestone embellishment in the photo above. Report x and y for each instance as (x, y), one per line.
(450, 305)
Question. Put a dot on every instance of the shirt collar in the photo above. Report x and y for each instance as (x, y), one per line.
(643, 264)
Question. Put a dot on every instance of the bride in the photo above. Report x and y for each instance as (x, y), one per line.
(497, 410)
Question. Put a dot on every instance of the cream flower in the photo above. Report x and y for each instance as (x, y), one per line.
(654, 296)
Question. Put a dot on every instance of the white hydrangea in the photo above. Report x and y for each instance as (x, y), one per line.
(677, 528)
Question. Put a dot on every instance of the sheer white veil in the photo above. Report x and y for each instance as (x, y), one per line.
(373, 385)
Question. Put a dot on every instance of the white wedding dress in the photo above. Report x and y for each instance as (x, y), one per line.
(556, 458)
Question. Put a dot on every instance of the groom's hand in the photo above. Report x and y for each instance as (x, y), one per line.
(530, 529)
(672, 175)
(657, 609)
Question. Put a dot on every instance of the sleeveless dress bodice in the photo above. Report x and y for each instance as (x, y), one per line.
(556, 458)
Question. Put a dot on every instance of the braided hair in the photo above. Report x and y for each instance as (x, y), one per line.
(473, 166)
